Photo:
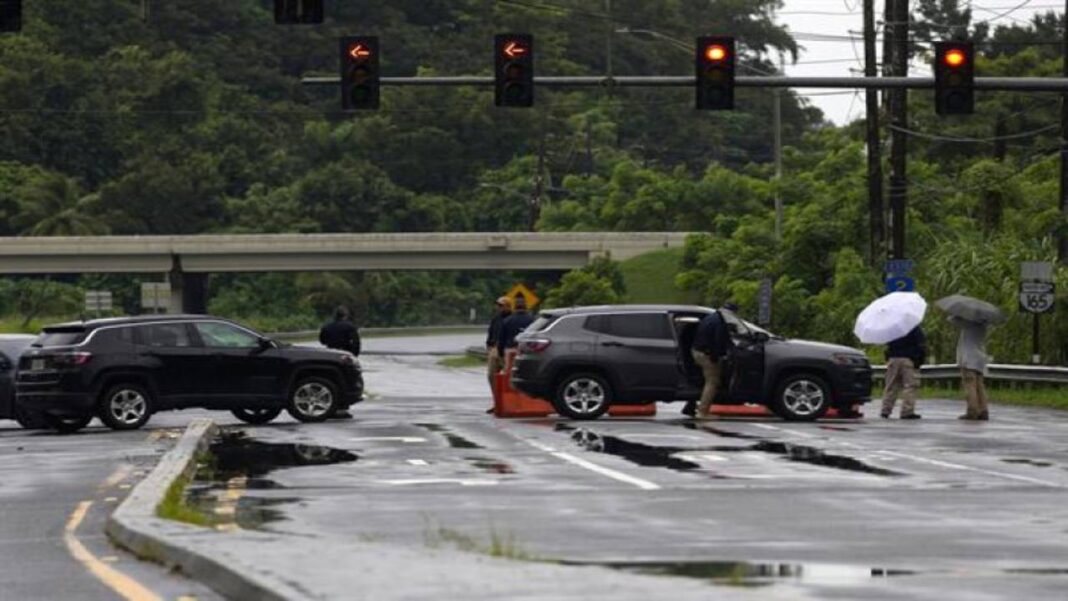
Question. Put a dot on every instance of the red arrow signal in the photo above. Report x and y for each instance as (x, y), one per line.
(514, 49)
(359, 51)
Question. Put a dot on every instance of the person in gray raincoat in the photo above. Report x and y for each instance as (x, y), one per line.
(972, 358)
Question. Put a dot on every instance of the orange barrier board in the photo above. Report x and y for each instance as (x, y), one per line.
(632, 410)
(509, 402)
(756, 411)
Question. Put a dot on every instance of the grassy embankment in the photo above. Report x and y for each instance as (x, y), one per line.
(650, 278)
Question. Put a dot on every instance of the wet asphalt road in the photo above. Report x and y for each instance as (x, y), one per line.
(870, 509)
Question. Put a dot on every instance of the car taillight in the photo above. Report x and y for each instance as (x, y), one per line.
(71, 359)
(535, 345)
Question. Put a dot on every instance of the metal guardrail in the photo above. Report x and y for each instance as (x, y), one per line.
(1005, 372)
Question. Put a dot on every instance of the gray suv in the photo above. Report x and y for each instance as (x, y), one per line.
(586, 359)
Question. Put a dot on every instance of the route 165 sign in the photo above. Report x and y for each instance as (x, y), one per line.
(1036, 297)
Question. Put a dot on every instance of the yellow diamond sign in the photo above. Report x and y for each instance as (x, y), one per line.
(528, 295)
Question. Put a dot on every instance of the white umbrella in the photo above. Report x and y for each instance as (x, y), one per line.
(890, 317)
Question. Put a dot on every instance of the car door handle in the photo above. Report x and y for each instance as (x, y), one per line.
(612, 344)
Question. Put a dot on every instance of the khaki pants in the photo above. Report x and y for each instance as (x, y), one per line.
(900, 376)
(493, 366)
(974, 391)
(710, 370)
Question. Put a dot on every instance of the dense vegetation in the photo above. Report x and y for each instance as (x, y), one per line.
(193, 119)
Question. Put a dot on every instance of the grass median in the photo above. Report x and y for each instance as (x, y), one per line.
(462, 361)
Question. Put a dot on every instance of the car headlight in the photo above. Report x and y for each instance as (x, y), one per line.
(850, 359)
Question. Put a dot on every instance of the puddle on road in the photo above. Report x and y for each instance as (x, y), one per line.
(720, 432)
(663, 456)
(237, 464)
(455, 440)
(1025, 461)
(749, 574)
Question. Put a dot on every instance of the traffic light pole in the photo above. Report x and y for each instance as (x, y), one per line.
(1004, 84)
(875, 164)
(898, 137)
(1062, 234)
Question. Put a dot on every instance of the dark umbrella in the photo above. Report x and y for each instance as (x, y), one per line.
(971, 309)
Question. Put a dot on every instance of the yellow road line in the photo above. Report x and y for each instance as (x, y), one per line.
(117, 476)
(126, 587)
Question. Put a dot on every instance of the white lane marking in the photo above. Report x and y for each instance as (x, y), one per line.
(404, 439)
(593, 467)
(418, 462)
(701, 457)
(966, 468)
(794, 432)
(644, 435)
(459, 481)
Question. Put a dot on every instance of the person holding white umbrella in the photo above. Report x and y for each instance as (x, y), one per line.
(904, 356)
(894, 320)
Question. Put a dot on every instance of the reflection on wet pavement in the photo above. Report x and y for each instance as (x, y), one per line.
(663, 456)
(237, 463)
(1031, 462)
(749, 574)
(455, 440)
(491, 465)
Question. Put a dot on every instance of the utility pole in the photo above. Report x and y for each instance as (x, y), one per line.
(778, 156)
(608, 43)
(875, 165)
(898, 137)
(1062, 235)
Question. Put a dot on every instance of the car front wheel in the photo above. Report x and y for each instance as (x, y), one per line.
(125, 407)
(802, 397)
(313, 399)
(582, 396)
(256, 416)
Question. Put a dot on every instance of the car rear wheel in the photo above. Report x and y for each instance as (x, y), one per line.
(125, 407)
(582, 396)
(801, 397)
(67, 425)
(313, 399)
(256, 416)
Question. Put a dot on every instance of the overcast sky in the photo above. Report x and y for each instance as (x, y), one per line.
(844, 57)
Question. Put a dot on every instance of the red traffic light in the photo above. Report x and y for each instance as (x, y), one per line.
(359, 51)
(955, 57)
(514, 49)
(716, 52)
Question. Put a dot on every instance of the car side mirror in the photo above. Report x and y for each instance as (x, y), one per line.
(760, 337)
(265, 343)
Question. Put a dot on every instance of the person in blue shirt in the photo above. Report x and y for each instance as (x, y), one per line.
(511, 327)
(711, 344)
(904, 356)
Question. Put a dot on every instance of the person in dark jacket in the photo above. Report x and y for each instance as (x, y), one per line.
(711, 344)
(511, 327)
(343, 335)
(494, 358)
(904, 357)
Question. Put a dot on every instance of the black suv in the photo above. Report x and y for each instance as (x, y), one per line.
(124, 370)
(586, 359)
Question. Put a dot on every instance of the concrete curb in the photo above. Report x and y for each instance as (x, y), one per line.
(134, 525)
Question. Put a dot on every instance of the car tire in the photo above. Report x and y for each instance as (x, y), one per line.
(582, 396)
(801, 397)
(313, 399)
(126, 406)
(256, 416)
(29, 420)
(66, 425)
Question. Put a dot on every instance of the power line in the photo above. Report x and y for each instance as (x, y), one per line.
(960, 139)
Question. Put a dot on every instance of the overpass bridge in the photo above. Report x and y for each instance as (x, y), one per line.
(188, 259)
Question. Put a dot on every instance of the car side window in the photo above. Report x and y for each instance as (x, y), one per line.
(165, 335)
(114, 336)
(222, 335)
(632, 325)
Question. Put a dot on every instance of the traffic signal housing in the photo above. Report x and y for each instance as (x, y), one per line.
(714, 64)
(359, 73)
(289, 12)
(10, 15)
(513, 55)
(954, 70)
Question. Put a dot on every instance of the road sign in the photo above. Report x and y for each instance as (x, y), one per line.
(899, 283)
(1036, 297)
(899, 267)
(155, 296)
(97, 301)
(528, 295)
(764, 302)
